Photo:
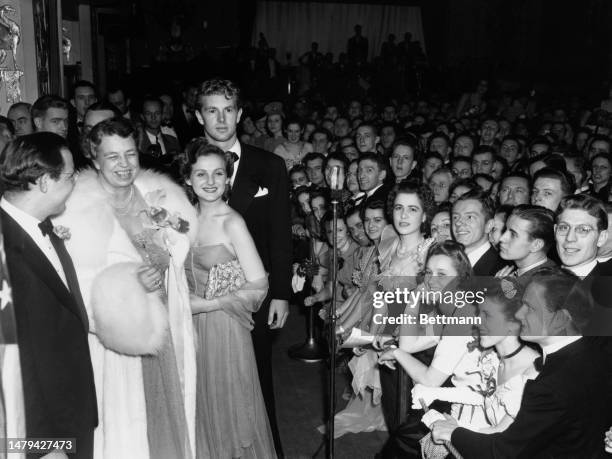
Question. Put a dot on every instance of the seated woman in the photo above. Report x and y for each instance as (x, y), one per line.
(228, 283)
(293, 149)
(346, 249)
(447, 269)
(500, 392)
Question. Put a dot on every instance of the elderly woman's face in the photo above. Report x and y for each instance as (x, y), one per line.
(116, 159)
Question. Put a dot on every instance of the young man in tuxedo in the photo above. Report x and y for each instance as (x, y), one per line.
(565, 410)
(472, 220)
(37, 176)
(528, 236)
(260, 193)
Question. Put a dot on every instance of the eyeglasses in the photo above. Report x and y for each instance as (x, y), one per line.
(582, 231)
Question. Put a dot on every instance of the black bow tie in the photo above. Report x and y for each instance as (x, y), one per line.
(538, 364)
(233, 155)
(46, 227)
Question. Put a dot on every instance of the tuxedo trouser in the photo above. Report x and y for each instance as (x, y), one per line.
(263, 338)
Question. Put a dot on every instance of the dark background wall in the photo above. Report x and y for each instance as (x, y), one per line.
(547, 42)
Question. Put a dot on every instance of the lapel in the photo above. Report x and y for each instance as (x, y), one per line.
(19, 242)
(245, 184)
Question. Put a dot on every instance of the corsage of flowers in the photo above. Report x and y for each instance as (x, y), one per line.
(160, 216)
(62, 232)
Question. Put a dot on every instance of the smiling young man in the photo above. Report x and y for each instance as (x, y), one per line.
(472, 220)
(260, 193)
(371, 174)
(580, 229)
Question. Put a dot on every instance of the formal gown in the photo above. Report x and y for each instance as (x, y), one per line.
(231, 419)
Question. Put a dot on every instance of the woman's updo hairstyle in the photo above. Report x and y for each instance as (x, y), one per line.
(197, 148)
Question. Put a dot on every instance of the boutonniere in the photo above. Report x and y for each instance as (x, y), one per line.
(160, 216)
(62, 232)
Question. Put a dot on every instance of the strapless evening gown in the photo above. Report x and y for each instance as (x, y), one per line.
(231, 419)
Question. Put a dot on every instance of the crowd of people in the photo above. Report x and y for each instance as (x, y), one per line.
(151, 245)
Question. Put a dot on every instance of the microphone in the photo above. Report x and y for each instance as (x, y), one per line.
(336, 183)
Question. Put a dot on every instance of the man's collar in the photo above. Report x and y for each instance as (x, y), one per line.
(522, 271)
(584, 269)
(557, 345)
(373, 190)
(236, 148)
(476, 254)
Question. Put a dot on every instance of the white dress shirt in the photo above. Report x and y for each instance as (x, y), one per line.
(30, 225)
(521, 271)
(478, 252)
(583, 270)
(157, 139)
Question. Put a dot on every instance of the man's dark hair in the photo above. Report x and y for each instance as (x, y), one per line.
(380, 160)
(484, 149)
(151, 98)
(517, 174)
(29, 157)
(516, 140)
(17, 105)
(488, 209)
(541, 223)
(113, 126)
(312, 156)
(566, 180)
(44, 103)
(322, 130)
(83, 84)
(338, 156)
(103, 105)
(438, 135)
(409, 142)
(217, 87)
(593, 206)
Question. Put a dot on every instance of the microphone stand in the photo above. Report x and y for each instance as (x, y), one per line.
(336, 194)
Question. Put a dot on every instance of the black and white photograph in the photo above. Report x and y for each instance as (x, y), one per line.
(293, 229)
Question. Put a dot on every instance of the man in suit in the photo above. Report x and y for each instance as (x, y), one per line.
(37, 175)
(159, 151)
(581, 228)
(260, 193)
(371, 176)
(565, 410)
(528, 236)
(472, 220)
(184, 121)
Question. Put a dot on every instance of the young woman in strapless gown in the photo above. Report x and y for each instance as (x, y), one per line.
(227, 282)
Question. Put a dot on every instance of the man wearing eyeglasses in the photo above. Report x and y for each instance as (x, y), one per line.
(581, 228)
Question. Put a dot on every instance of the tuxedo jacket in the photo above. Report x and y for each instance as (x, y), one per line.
(260, 193)
(185, 129)
(489, 263)
(564, 411)
(598, 284)
(58, 381)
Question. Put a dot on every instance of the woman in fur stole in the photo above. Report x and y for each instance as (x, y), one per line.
(130, 232)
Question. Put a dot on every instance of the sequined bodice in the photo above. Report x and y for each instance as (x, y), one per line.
(200, 260)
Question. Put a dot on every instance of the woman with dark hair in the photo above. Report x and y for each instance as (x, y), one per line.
(228, 283)
(274, 125)
(293, 149)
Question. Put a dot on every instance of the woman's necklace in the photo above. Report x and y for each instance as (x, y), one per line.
(403, 252)
(123, 207)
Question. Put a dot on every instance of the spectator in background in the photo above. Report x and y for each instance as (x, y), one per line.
(514, 189)
(50, 114)
(20, 116)
(84, 93)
